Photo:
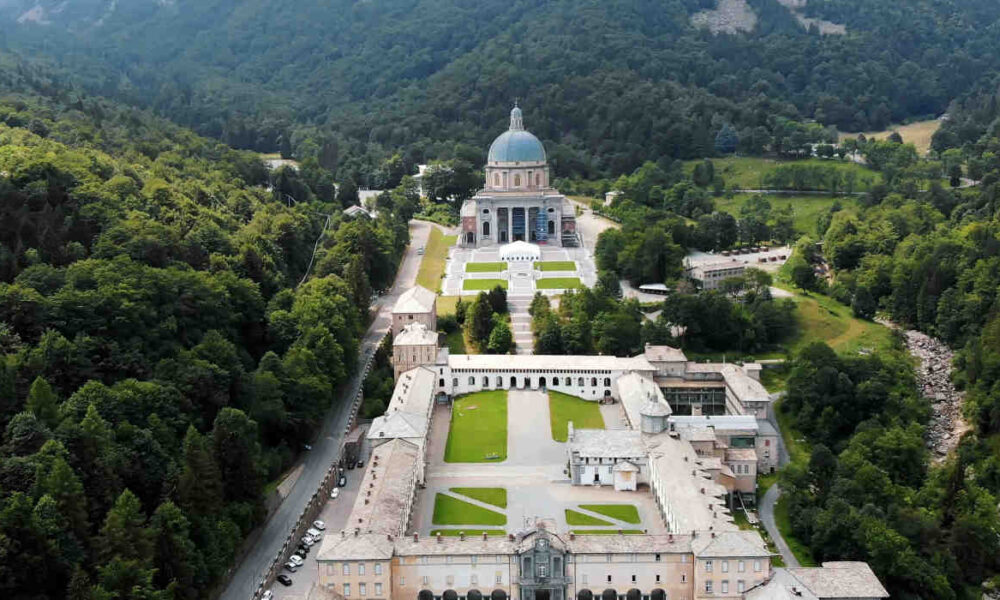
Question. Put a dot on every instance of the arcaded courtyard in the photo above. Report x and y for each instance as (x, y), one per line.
(513, 485)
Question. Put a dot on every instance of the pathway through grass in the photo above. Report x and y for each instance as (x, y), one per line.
(621, 512)
(494, 496)
(452, 511)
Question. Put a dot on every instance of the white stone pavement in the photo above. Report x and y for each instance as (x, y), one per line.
(520, 276)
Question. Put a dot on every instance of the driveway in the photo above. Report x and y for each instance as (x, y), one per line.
(767, 518)
(271, 535)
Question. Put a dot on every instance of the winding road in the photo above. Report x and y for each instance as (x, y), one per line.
(767, 518)
(271, 535)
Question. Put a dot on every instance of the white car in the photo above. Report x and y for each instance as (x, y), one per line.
(268, 595)
(308, 540)
(314, 533)
(335, 493)
(296, 560)
(319, 525)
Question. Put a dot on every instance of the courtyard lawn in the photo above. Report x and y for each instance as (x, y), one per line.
(467, 532)
(452, 511)
(555, 265)
(608, 531)
(578, 518)
(455, 341)
(483, 284)
(621, 512)
(559, 283)
(485, 267)
(494, 496)
(564, 408)
(478, 430)
(432, 263)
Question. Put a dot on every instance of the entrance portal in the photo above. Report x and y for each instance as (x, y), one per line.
(543, 594)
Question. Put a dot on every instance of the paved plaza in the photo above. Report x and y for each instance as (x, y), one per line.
(534, 474)
(521, 276)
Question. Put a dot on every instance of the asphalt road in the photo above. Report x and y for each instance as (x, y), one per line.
(767, 518)
(325, 450)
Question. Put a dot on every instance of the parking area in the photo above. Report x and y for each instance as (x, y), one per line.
(334, 515)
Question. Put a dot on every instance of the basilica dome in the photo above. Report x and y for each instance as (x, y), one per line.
(516, 145)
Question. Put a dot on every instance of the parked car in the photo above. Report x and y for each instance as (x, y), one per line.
(300, 553)
(314, 533)
(284, 579)
(420, 250)
(317, 524)
(361, 463)
(335, 493)
(292, 567)
(304, 548)
(342, 482)
(307, 540)
(296, 560)
(268, 595)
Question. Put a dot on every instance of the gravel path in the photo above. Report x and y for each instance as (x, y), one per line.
(767, 518)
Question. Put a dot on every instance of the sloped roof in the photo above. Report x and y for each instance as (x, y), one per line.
(417, 299)
(347, 546)
(415, 334)
(625, 466)
(841, 579)
(399, 424)
(730, 544)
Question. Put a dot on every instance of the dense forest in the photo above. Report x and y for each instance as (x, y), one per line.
(165, 348)
(607, 85)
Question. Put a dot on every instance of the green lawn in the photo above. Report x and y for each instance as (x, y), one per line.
(578, 518)
(556, 265)
(446, 305)
(467, 532)
(456, 342)
(478, 430)
(485, 267)
(744, 172)
(823, 319)
(559, 283)
(432, 263)
(452, 511)
(621, 512)
(608, 531)
(494, 496)
(483, 284)
(806, 209)
(564, 408)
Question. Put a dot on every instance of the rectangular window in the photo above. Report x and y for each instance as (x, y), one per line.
(378, 589)
(347, 590)
(361, 589)
(585, 579)
(499, 578)
(708, 566)
(378, 568)
(426, 580)
(609, 578)
(684, 577)
(657, 578)
(756, 565)
(450, 580)
(725, 566)
(361, 568)
(402, 581)
(684, 559)
(447, 559)
(741, 566)
(741, 586)
(474, 559)
(347, 569)
(633, 578)
(474, 579)
(725, 586)
(657, 558)
(708, 586)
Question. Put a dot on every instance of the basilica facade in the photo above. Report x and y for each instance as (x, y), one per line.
(517, 202)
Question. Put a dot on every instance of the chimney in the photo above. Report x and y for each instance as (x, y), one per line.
(416, 537)
(357, 530)
(343, 534)
(713, 535)
(485, 535)
(366, 500)
(388, 537)
(572, 536)
(439, 537)
(461, 536)
(620, 532)
(670, 538)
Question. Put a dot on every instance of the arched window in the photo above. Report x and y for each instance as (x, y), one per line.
(499, 381)
(585, 594)
(657, 594)
(454, 382)
(609, 594)
(472, 381)
(449, 595)
(633, 594)
(474, 595)
(552, 227)
(569, 381)
(425, 595)
(593, 381)
(486, 228)
(486, 381)
(498, 595)
(517, 181)
(538, 180)
(607, 381)
(579, 381)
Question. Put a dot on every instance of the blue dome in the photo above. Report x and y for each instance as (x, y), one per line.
(516, 146)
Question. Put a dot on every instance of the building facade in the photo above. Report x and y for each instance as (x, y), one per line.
(416, 305)
(517, 202)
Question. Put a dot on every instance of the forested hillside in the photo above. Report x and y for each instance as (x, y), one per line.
(607, 85)
(159, 361)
